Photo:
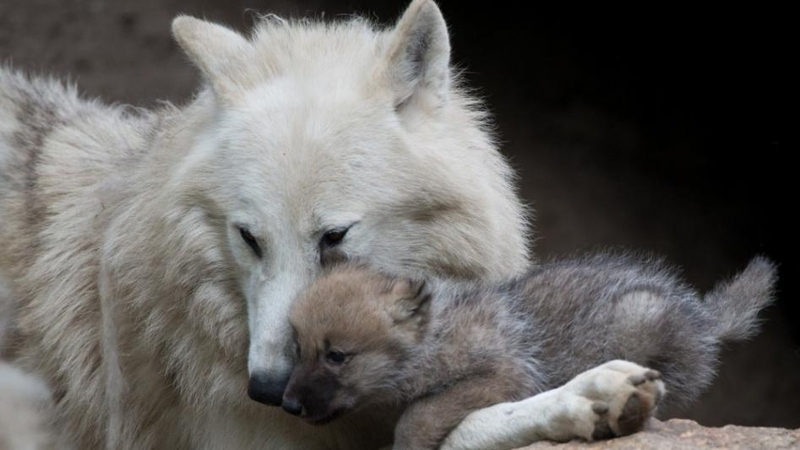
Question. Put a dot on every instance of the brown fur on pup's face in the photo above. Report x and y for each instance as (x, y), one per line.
(354, 330)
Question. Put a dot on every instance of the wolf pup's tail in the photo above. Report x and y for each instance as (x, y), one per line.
(735, 303)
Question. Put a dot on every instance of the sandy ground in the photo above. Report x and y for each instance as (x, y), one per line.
(621, 137)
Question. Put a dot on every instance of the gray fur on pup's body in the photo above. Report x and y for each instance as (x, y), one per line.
(449, 348)
(569, 315)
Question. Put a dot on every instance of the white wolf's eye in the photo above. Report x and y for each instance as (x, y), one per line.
(334, 237)
(250, 240)
(329, 253)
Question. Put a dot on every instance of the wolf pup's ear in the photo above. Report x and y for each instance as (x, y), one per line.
(219, 52)
(411, 301)
(417, 62)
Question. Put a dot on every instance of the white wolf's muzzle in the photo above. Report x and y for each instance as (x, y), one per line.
(270, 357)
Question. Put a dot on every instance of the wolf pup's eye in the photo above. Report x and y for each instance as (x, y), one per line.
(250, 240)
(335, 357)
(334, 237)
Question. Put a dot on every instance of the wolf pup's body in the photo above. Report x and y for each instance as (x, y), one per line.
(448, 349)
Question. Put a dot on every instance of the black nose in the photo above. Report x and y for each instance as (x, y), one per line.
(267, 389)
(292, 407)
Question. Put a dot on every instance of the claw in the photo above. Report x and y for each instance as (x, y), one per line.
(600, 407)
(652, 375)
(637, 379)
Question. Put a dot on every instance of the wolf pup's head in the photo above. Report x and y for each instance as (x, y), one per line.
(316, 142)
(355, 330)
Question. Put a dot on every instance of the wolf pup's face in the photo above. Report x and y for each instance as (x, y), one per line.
(327, 142)
(355, 330)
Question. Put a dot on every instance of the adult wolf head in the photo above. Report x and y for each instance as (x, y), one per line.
(331, 141)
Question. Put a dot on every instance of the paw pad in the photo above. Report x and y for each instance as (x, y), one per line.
(633, 415)
(602, 430)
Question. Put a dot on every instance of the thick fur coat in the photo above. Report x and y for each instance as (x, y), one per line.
(151, 256)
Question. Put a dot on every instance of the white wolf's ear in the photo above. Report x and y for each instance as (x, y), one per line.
(411, 302)
(417, 63)
(219, 52)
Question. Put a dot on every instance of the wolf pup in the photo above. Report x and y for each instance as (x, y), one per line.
(447, 349)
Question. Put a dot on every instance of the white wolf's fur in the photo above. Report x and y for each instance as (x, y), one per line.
(132, 291)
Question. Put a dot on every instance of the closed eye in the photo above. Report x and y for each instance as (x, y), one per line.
(251, 241)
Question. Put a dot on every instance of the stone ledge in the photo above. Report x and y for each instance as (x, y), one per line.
(687, 434)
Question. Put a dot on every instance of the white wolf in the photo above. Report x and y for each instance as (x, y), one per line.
(152, 256)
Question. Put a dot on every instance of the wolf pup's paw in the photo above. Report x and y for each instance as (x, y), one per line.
(614, 399)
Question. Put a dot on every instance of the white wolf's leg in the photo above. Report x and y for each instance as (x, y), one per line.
(613, 399)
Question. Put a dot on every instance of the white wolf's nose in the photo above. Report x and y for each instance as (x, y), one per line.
(267, 389)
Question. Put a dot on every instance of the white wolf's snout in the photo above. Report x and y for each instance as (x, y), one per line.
(270, 357)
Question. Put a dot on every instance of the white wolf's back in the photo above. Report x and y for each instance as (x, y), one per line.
(61, 160)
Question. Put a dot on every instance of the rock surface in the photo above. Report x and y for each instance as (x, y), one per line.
(687, 434)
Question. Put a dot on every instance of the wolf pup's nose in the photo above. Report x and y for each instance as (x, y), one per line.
(266, 389)
(292, 407)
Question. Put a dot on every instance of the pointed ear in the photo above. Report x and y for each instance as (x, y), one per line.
(417, 62)
(219, 52)
(410, 301)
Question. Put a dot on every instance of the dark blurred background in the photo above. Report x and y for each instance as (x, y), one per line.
(653, 129)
